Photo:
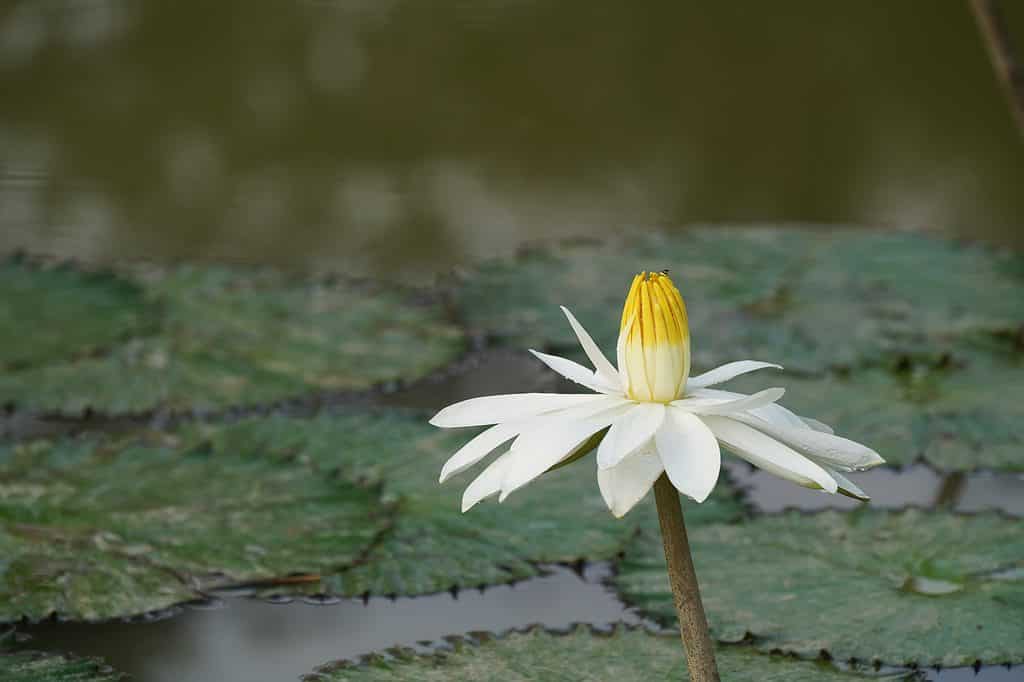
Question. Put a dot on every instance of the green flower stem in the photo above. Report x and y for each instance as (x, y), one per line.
(693, 625)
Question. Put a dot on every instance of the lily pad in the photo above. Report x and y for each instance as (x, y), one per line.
(218, 337)
(903, 587)
(39, 667)
(623, 654)
(55, 311)
(967, 414)
(92, 530)
(432, 546)
(811, 300)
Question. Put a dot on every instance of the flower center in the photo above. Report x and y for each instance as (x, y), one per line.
(654, 340)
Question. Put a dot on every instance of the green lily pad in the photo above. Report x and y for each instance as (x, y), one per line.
(623, 654)
(221, 337)
(39, 667)
(432, 546)
(92, 530)
(968, 415)
(809, 300)
(903, 587)
(50, 312)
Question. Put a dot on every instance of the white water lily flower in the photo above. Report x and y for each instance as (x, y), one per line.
(649, 416)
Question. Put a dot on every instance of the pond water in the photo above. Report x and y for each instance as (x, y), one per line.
(359, 136)
(249, 639)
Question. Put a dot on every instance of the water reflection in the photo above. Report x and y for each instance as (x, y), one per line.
(360, 136)
(249, 639)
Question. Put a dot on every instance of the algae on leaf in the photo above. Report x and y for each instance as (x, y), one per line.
(40, 667)
(432, 546)
(811, 300)
(580, 655)
(92, 529)
(213, 337)
(931, 588)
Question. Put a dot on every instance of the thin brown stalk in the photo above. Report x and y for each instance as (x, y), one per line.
(996, 34)
(693, 625)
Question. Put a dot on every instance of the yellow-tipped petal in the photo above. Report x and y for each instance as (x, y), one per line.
(655, 336)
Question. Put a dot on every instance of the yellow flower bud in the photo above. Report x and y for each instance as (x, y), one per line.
(654, 340)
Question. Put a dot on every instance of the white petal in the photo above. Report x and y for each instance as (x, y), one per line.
(726, 372)
(848, 487)
(629, 433)
(816, 425)
(479, 447)
(715, 406)
(773, 412)
(494, 409)
(589, 409)
(769, 454)
(548, 442)
(605, 369)
(689, 453)
(624, 485)
(574, 371)
(487, 483)
(620, 353)
(534, 427)
(836, 451)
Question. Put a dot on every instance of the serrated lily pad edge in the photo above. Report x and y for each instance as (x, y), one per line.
(438, 650)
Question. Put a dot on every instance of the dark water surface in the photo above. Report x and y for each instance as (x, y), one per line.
(250, 640)
(404, 137)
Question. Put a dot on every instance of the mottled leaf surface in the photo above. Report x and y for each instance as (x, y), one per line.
(93, 530)
(39, 667)
(810, 300)
(52, 312)
(902, 587)
(217, 336)
(432, 546)
(624, 654)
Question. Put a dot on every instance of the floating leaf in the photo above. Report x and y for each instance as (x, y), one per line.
(623, 654)
(39, 667)
(57, 312)
(808, 300)
(844, 584)
(93, 530)
(432, 546)
(229, 337)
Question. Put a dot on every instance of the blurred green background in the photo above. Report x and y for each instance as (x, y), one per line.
(361, 135)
